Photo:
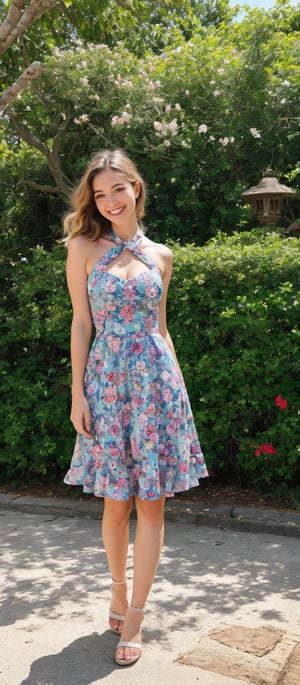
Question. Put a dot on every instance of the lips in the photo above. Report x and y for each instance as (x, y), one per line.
(116, 212)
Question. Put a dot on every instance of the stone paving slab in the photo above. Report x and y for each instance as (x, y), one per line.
(260, 655)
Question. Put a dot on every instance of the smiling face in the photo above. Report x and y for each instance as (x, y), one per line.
(115, 198)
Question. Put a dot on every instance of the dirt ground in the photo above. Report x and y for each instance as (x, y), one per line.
(208, 493)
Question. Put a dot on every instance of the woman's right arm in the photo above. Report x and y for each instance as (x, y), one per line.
(81, 330)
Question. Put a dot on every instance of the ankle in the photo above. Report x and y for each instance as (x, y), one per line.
(119, 582)
(137, 609)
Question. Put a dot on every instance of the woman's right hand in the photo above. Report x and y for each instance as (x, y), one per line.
(80, 416)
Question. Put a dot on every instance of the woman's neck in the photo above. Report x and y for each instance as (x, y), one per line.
(126, 234)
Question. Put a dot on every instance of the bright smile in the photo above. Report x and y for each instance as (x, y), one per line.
(116, 212)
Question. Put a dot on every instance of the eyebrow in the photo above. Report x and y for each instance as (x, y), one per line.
(120, 183)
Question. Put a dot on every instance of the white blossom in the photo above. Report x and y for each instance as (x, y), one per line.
(255, 133)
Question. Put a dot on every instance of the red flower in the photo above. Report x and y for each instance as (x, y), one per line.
(265, 449)
(281, 403)
(268, 449)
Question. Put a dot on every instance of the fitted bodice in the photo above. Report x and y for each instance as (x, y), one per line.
(125, 306)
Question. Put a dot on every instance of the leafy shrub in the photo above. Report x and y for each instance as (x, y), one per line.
(35, 367)
(234, 319)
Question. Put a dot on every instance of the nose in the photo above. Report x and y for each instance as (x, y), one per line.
(111, 199)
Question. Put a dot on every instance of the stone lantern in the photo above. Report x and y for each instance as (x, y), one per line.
(266, 199)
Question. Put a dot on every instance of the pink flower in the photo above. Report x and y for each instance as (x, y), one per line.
(84, 81)
(151, 291)
(167, 143)
(137, 348)
(110, 395)
(114, 344)
(202, 128)
(114, 430)
(127, 313)
(167, 395)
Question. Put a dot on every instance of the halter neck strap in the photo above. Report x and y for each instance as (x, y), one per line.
(131, 244)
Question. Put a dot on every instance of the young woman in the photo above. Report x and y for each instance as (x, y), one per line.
(136, 436)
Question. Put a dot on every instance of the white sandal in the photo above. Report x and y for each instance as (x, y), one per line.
(134, 645)
(113, 615)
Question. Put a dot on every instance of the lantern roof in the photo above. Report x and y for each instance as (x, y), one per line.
(269, 185)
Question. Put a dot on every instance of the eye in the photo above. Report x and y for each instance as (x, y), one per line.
(99, 196)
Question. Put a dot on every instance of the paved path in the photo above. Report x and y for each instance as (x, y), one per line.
(56, 592)
(236, 518)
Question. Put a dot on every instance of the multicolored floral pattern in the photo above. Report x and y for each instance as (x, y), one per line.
(145, 442)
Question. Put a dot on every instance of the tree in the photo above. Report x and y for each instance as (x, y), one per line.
(202, 119)
(145, 25)
(18, 20)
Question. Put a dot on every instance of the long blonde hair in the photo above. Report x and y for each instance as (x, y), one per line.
(84, 218)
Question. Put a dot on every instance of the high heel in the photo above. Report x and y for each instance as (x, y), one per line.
(134, 645)
(113, 615)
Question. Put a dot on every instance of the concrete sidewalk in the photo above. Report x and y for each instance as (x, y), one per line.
(227, 517)
(212, 583)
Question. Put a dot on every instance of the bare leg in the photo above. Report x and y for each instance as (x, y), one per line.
(147, 549)
(115, 535)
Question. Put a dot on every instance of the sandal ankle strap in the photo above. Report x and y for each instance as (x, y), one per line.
(119, 582)
(139, 609)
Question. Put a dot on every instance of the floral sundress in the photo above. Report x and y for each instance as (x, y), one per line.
(144, 438)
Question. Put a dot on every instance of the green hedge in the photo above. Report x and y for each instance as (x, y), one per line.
(234, 318)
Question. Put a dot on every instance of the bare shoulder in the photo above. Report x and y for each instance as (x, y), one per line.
(78, 246)
(159, 253)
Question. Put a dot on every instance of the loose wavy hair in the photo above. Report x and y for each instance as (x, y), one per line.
(84, 217)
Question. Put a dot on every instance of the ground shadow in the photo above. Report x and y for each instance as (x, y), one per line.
(86, 660)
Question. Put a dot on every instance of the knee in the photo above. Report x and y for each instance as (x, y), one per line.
(151, 513)
(117, 512)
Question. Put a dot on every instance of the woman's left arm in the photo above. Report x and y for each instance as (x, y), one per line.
(166, 259)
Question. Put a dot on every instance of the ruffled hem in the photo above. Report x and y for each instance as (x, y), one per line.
(122, 490)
